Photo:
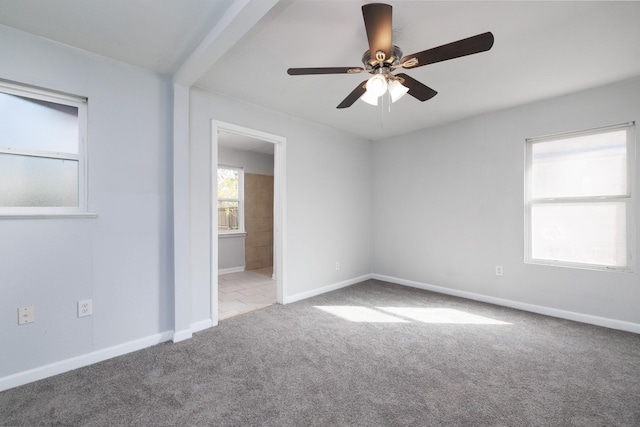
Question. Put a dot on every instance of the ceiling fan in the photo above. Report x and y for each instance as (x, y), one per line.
(383, 58)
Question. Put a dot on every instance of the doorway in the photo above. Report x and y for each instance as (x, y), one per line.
(248, 224)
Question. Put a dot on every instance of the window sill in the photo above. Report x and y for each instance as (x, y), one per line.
(591, 267)
(46, 215)
(231, 234)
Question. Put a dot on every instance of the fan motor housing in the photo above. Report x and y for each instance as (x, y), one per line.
(372, 64)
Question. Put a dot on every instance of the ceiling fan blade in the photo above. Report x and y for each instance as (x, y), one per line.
(354, 96)
(377, 21)
(476, 44)
(324, 70)
(417, 89)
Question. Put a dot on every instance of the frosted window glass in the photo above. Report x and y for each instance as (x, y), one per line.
(27, 181)
(582, 166)
(584, 233)
(41, 125)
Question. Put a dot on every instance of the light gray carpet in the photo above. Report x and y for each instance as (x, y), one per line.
(298, 365)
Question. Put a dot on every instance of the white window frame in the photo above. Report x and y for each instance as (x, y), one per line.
(59, 98)
(240, 200)
(628, 199)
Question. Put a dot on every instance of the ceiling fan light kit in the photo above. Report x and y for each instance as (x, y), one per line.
(383, 58)
(369, 98)
(379, 84)
(376, 85)
(397, 90)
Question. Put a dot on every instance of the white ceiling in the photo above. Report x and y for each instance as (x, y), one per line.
(542, 49)
(156, 35)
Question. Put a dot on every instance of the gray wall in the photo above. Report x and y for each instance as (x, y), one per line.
(442, 206)
(252, 162)
(448, 206)
(326, 170)
(123, 258)
(231, 253)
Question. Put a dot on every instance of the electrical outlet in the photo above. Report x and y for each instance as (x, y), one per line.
(337, 265)
(499, 270)
(26, 314)
(85, 308)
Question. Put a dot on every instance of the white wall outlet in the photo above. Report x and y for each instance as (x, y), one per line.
(499, 270)
(26, 314)
(337, 265)
(85, 308)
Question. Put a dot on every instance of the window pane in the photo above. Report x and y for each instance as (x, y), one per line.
(582, 166)
(37, 181)
(227, 184)
(584, 233)
(227, 215)
(34, 124)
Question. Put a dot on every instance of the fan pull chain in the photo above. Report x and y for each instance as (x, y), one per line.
(382, 112)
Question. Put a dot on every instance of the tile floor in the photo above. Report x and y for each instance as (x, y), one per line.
(245, 291)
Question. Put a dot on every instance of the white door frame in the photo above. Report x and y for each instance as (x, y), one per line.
(279, 208)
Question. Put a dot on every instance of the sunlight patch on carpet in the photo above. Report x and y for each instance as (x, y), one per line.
(441, 315)
(354, 313)
(360, 314)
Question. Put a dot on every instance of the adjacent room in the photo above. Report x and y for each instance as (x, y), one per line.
(245, 224)
(243, 212)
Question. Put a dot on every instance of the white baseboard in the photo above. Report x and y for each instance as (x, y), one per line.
(325, 289)
(201, 325)
(182, 335)
(66, 365)
(231, 270)
(547, 311)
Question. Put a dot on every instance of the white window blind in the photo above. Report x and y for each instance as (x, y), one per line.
(579, 199)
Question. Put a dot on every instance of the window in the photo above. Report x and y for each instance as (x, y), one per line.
(230, 200)
(579, 205)
(42, 152)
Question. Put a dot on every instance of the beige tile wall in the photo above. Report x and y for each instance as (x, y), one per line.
(258, 212)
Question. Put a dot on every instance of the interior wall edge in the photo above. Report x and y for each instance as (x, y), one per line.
(324, 289)
(201, 325)
(547, 311)
(66, 365)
